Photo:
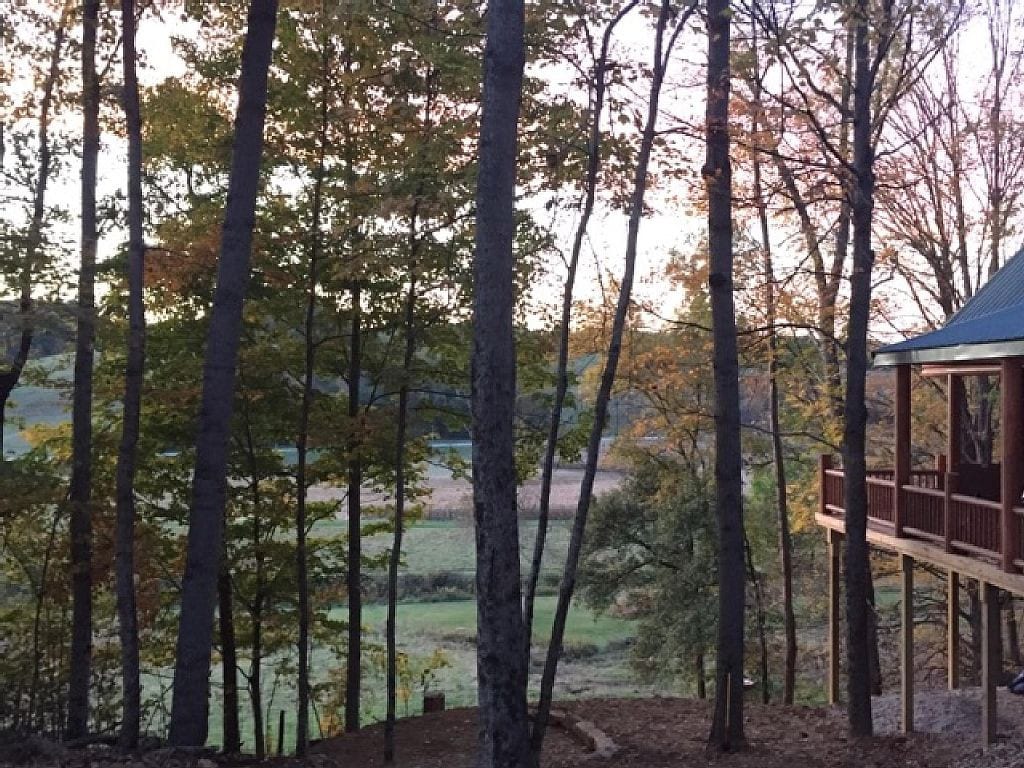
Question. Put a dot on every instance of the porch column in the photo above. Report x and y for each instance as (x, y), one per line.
(953, 631)
(1011, 392)
(989, 656)
(954, 413)
(834, 542)
(902, 446)
(907, 643)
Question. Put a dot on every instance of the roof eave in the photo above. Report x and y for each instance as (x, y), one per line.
(957, 353)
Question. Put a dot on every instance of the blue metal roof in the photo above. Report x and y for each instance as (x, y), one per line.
(990, 325)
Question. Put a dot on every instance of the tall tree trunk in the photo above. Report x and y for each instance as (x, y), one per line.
(302, 444)
(727, 725)
(394, 560)
(229, 662)
(562, 365)
(34, 242)
(501, 668)
(778, 456)
(354, 669)
(190, 704)
(80, 495)
(128, 620)
(662, 49)
(353, 577)
(854, 432)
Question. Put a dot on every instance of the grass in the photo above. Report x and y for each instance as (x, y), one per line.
(595, 662)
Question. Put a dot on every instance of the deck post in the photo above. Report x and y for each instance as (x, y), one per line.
(954, 402)
(953, 631)
(902, 442)
(989, 655)
(906, 644)
(834, 546)
(1011, 392)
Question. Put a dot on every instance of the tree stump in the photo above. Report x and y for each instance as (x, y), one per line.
(433, 701)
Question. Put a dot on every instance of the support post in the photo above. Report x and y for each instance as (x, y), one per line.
(834, 541)
(1011, 407)
(902, 441)
(907, 644)
(953, 631)
(989, 654)
(954, 411)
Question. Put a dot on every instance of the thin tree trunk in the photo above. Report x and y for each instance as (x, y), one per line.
(762, 622)
(302, 444)
(1012, 633)
(562, 365)
(353, 577)
(778, 456)
(190, 705)
(34, 242)
(568, 584)
(875, 659)
(81, 411)
(394, 560)
(128, 621)
(40, 596)
(501, 668)
(854, 432)
(256, 668)
(727, 726)
(229, 662)
(353, 679)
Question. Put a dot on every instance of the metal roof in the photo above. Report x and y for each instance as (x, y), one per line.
(990, 325)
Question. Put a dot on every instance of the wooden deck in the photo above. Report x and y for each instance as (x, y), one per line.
(932, 522)
(925, 519)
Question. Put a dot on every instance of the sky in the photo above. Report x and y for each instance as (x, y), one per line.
(671, 225)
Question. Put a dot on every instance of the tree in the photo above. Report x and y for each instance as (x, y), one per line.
(133, 380)
(590, 183)
(855, 424)
(501, 669)
(662, 52)
(29, 254)
(727, 726)
(775, 427)
(80, 495)
(192, 665)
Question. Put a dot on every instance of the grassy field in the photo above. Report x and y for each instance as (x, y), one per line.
(595, 662)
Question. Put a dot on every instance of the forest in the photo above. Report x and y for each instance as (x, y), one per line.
(449, 382)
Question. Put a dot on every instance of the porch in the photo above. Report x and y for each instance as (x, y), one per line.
(929, 507)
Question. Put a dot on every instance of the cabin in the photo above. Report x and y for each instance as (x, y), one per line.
(961, 517)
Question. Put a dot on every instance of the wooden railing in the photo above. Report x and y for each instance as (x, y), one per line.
(931, 511)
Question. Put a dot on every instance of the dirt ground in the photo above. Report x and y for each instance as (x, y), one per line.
(661, 732)
(635, 733)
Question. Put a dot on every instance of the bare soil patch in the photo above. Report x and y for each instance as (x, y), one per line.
(657, 733)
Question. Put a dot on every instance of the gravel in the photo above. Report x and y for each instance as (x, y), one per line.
(958, 713)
